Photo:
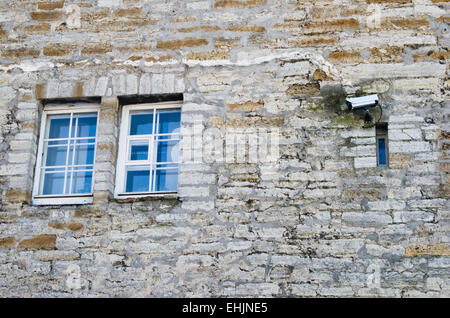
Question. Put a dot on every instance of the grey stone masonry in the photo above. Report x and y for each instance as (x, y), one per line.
(106, 150)
(279, 193)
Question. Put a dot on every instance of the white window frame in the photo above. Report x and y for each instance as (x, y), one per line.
(62, 199)
(119, 192)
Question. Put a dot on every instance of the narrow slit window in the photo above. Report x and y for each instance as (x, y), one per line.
(382, 145)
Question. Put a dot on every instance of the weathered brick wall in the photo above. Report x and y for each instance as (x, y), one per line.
(324, 222)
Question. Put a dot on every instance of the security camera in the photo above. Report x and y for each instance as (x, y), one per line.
(362, 102)
(365, 103)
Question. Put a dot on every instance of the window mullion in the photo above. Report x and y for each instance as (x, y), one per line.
(74, 138)
(127, 155)
(73, 157)
(44, 155)
(127, 150)
(155, 153)
(150, 161)
(95, 153)
(67, 153)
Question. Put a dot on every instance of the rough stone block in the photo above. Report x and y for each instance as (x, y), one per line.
(409, 147)
(145, 84)
(418, 250)
(100, 88)
(39, 242)
(365, 162)
(157, 83)
(7, 242)
(132, 84)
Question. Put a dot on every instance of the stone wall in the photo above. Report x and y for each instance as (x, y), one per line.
(323, 220)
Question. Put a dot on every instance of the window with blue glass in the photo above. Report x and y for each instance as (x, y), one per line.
(150, 161)
(382, 145)
(67, 154)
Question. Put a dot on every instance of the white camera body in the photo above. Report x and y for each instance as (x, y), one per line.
(362, 102)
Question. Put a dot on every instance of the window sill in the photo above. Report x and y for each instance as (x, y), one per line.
(62, 200)
(126, 197)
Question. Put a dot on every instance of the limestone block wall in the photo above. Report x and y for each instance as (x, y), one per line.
(322, 220)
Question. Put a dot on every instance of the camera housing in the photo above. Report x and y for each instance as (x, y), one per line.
(362, 102)
(365, 103)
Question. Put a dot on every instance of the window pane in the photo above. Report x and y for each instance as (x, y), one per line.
(81, 182)
(84, 155)
(381, 151)
(168, 151)
(56, 156)
(57, 142)
(59, 127)
(141, 124)
(166, 179)
(139, 150)
(87, 125)
(53, 183)
(84, 141)
(138, 179)
(169, 121)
